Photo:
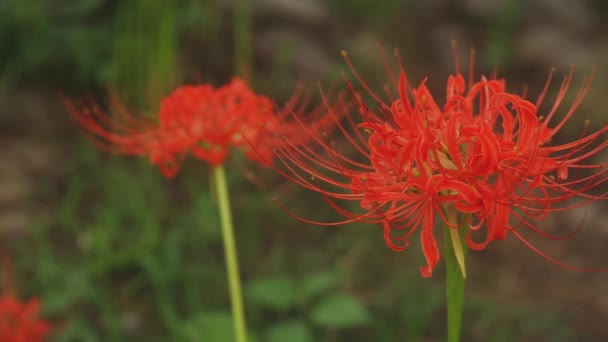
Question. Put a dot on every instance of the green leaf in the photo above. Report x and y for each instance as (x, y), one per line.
(209, 327)
(292, 331)
(340, 311)
(455, 286)
(275, 292)
(315, 284)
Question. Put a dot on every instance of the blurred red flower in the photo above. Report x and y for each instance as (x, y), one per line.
(201, 120)
(19, 321)
(479, 160)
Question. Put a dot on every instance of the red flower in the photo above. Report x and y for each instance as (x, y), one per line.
(208, 121)
(478, 161)
(198, 119)
(19, 322)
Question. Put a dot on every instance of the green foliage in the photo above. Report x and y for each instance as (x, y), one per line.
(340, 311)
(291, 330)
(212, 327)
(518, 323)
(311, 300)
(145, 49)
(132, 44)
(502, 29)
(116, 258)
(42, 40)
(316, 284)
(277, 292)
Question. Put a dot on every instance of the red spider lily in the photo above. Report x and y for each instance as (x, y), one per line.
(480, 160)
(19, 322)
(211, 120)
(199, 119)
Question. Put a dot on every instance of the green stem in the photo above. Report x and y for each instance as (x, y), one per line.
(234, 282)
(455, 278)
(242, 39)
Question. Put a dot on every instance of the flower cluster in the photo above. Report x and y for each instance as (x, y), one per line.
(201, 120)
(482, 161)
(19, 322)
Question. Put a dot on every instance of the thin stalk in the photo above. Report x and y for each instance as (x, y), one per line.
(242, 60)
(455, 256)
(232, 266)
(242, 40)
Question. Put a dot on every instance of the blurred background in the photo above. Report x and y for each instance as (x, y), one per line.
(118, 253)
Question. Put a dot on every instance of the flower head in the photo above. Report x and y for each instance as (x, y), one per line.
(201, 120)
(208, 121)
(19, 321)
(481, 160)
